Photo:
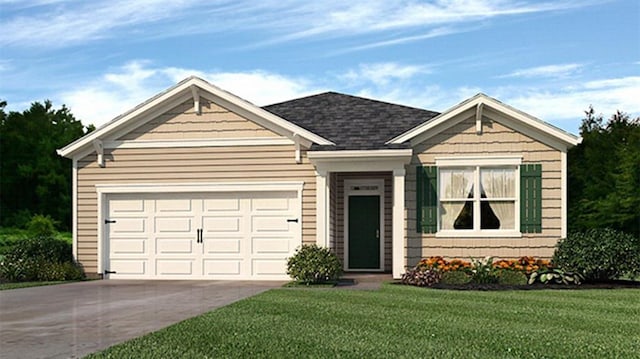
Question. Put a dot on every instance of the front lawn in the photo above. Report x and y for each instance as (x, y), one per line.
(403, 321)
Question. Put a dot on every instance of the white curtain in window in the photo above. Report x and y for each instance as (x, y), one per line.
(454, 184)
(500, 183)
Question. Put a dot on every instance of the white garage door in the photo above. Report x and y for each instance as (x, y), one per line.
(201, 236)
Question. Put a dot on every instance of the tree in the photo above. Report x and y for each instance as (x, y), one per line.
(604, 174)
(33, 178)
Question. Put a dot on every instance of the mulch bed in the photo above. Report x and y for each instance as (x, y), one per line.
(614, 284)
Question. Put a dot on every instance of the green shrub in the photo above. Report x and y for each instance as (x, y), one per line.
(599, 254)
(48, 248)
(312, 265)
(60, 271)
(511, 277)
(41, 226)
(455, 278)
(39, 259)
(555, 276)
(421, 277)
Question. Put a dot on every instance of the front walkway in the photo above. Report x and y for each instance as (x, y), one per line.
(75, 319)
(364, 281)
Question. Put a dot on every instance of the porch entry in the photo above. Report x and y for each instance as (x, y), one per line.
(364, 232)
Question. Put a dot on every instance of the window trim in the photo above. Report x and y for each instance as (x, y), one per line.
(478, 162)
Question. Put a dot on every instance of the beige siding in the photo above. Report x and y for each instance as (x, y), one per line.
(496, 139)
(333, 206)
(182, 122)
(184, 165)
(388, 203)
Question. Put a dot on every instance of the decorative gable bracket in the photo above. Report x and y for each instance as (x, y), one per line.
(296, 140)
(479, 109)
(196, 100)
(99, 147)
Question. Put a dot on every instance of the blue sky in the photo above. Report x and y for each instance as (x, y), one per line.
(551, 59)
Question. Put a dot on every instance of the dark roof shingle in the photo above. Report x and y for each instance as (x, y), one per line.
(351, 122)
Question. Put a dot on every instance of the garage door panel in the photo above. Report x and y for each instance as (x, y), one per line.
(174, 245)
(223, 246)
(174, 225)
(221, 204)
(174, 267)
(270, 224)
(124, 267)
(214, 267)
(126, 246)
(221, 224)
(174, 205)
(270, 204)
(121, 205)
(280, 245)
(127, 225)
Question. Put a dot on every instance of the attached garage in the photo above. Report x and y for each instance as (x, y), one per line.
(191, 232)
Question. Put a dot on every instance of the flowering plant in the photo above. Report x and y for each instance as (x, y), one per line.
(526, 265)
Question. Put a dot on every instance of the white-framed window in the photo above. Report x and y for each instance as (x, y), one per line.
(479, 197)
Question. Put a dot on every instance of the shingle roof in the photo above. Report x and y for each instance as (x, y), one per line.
(351, 122)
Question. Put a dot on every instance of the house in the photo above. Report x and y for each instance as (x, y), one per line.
(199, 183)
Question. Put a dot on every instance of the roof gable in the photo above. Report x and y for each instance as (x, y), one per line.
(351, 122)
(192, 87)
(498, 111)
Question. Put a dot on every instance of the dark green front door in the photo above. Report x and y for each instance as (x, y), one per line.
(364, 232)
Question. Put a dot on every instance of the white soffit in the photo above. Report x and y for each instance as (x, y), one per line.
(557, 137)
(181, 92)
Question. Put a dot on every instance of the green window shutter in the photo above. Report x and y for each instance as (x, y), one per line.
(427, 201)
(531, 198)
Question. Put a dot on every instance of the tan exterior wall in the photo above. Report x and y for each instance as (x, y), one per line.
(182, 122)
(495, 140)
(388, 204)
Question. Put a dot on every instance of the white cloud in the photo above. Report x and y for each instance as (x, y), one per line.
(382, 73)
(58, 23)
(568, 103)
(437, 32)
(122, 89)
(67, 23)
(557, 70)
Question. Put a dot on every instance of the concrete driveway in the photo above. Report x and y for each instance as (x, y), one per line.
(75, 319)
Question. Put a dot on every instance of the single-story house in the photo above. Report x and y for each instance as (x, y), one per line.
(197, 183)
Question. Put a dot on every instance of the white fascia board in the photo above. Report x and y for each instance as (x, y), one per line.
(184, 90)
(536, 123)
(446, 115)
(199, 187)
(246, 108)
(69, 150)
(555, 133)
(360, 154)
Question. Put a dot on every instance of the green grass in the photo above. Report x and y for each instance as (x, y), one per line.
(402, 321)
(7, 286)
